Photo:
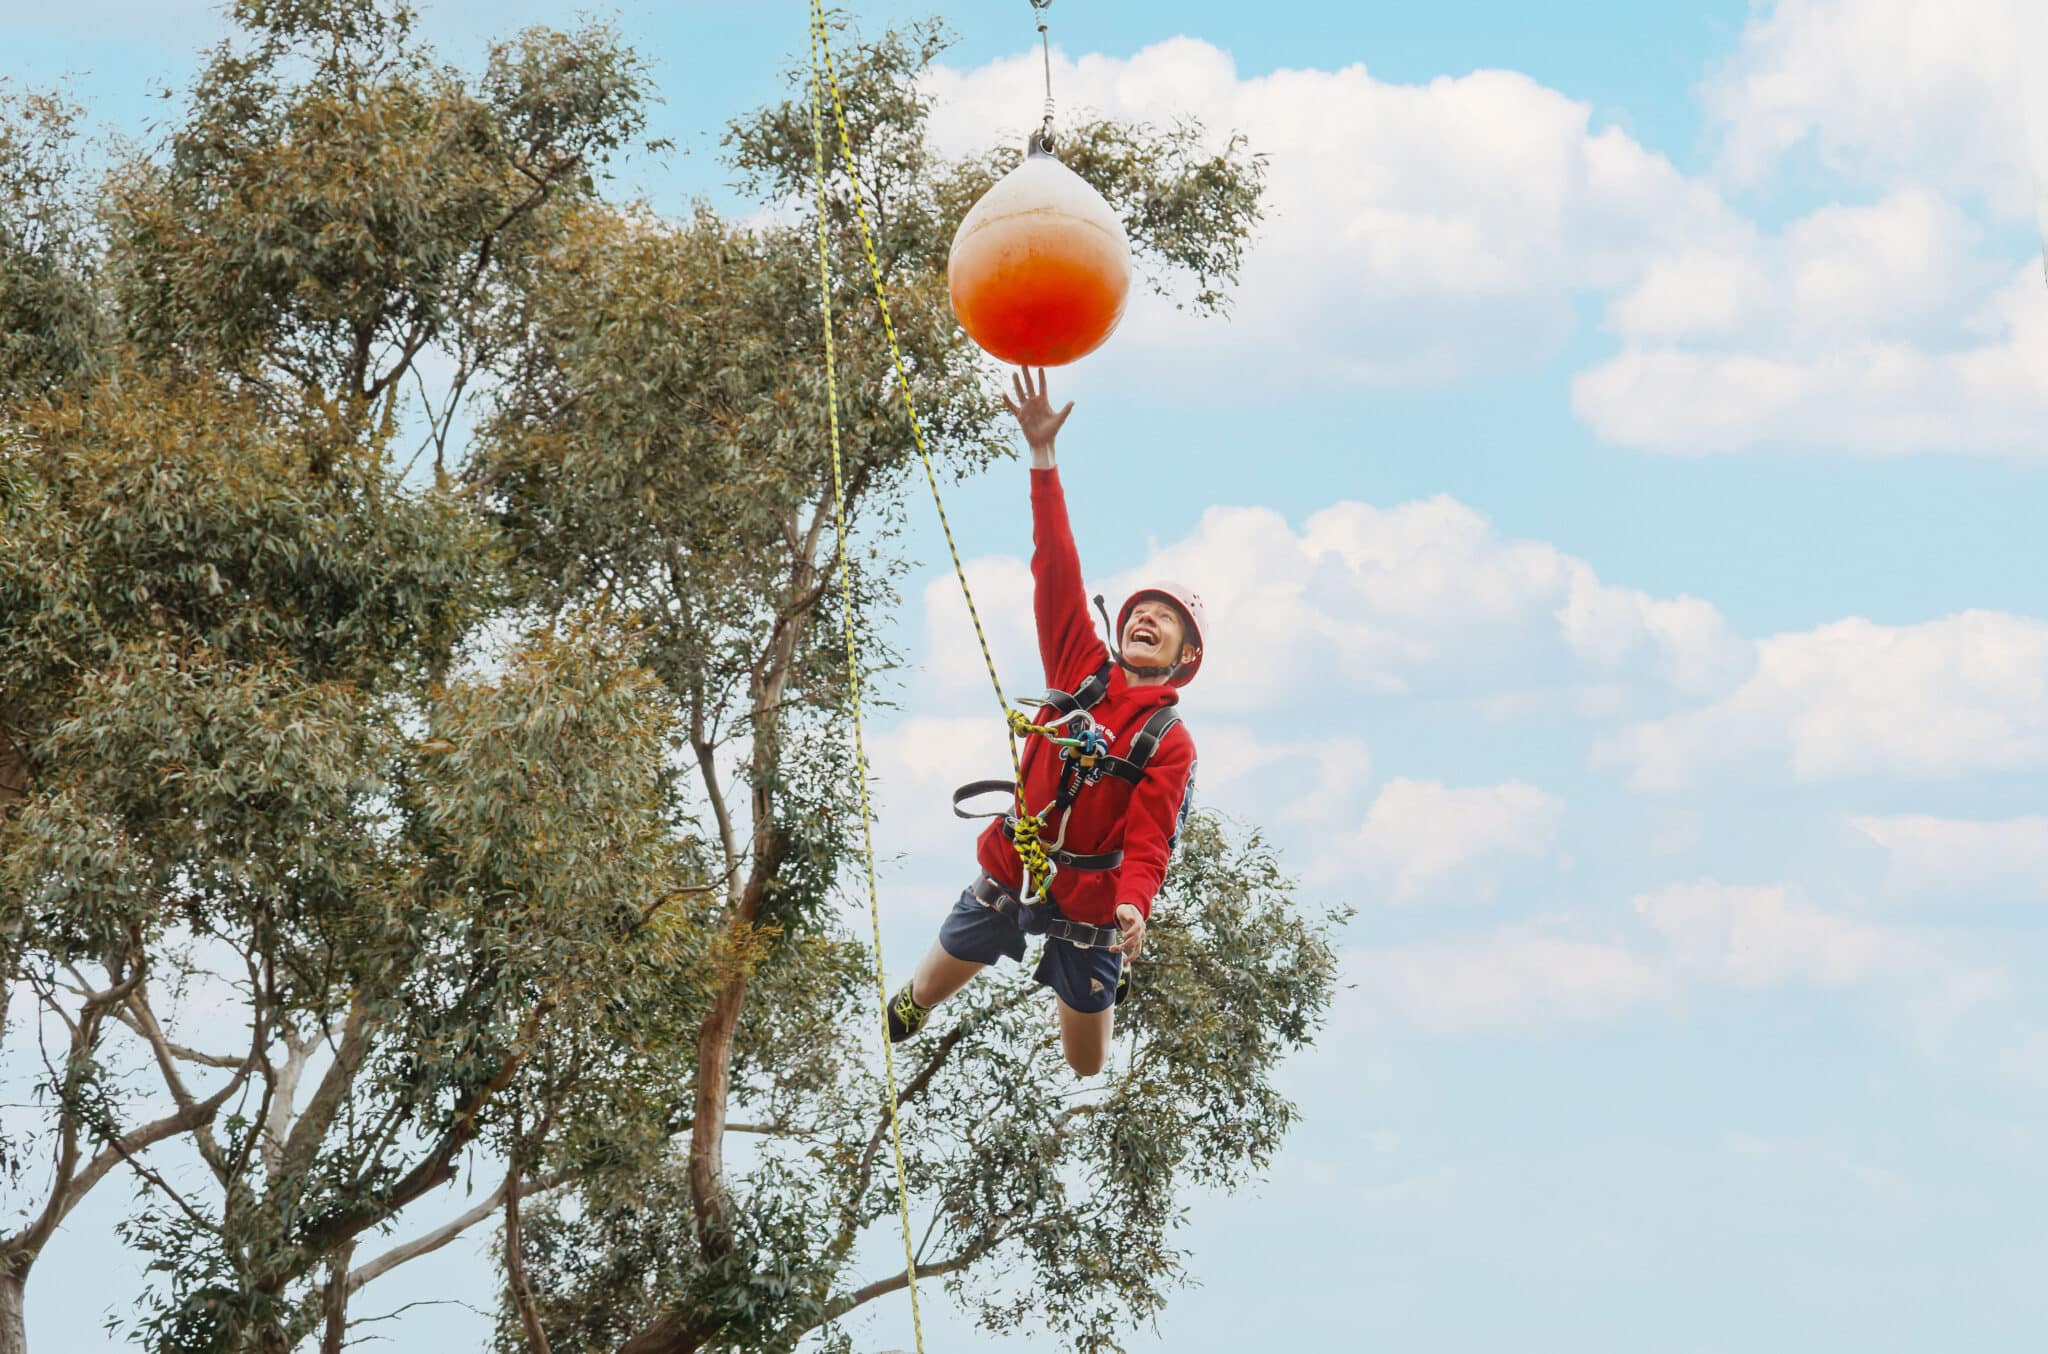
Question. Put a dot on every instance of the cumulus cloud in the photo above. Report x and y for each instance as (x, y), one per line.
(1889, 326)
(1813, 385)
(1423, 233)
(1002, 598)
(1421, 838)
(1962, 860)
(1424, 598)
(1415, 233)
(1882, 88)
(1428, 597)
(1242, 771)
(1515, 979)
(1871, 270)
(1760, 936)
(1966, 693)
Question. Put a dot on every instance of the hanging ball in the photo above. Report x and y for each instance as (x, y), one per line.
(1039, 269)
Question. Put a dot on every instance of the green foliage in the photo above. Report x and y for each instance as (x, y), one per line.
(233, 756)
(1051, 1201)
(173, 505)
(512, 814)
(334, 201)
(50, 321)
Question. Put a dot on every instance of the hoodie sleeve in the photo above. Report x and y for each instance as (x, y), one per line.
(1158, 809)
(1068, 645)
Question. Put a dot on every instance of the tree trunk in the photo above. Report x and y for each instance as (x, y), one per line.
(13, 1327)
(13, 769)
(666, 1334)
(13, 789)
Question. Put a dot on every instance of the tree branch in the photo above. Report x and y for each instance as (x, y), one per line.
(140, 1017)
(334, 1301)
(849, 1209)
(980, 1246)
(436, 1168)
(429, 1242)
(297, 1153)
(860, 1297)
(515, 1268)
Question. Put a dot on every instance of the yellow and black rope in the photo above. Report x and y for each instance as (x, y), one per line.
(1038, 866)
(853, 676)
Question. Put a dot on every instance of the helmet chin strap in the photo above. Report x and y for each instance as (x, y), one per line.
(1116, 650)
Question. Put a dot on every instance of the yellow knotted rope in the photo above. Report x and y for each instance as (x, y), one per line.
(853, 669)
(1038, 866)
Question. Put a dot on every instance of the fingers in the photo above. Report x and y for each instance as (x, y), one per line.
(1132, 923)
(1013, 406)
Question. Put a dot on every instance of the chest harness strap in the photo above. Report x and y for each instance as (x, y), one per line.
(1085, 750)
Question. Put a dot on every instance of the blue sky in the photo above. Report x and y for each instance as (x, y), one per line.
(1618, 493)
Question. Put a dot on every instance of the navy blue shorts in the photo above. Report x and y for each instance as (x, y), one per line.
(978, 934)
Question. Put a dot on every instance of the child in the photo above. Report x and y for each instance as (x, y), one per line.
(1114, 838)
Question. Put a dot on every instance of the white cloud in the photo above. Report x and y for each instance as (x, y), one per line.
(1881, 88)
(1804, 389)
(1966, 693)
(1002, 599)
(1862, 271)
(1421, 234)
(1415, 233)
(1424, 598)
(1890, 326)
(1514, 979)
(1963, 860)
(1311, 779)
(1421, 838)
(1759, 936)
(1427, 598)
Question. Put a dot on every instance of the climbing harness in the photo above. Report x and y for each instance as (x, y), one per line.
(1041, 919)
(1087, 759)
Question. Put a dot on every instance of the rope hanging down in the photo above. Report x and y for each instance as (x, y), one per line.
(860, 756)
(1038, 864)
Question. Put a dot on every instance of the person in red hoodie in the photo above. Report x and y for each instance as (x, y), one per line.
(1122, 815)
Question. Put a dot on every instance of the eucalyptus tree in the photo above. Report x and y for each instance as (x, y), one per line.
(50, 322)
(301, 879)
(323, 884)
(661, 445)
(1044, 1205)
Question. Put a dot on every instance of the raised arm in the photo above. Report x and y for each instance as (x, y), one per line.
(1067, 643)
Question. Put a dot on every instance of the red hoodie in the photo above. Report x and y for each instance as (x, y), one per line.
(1111, 813)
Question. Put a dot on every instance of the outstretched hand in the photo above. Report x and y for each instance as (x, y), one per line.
(1034, 411)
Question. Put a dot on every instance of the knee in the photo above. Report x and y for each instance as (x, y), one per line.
(1085, 1062)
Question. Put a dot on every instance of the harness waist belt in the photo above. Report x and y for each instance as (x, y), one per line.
(1042, 920)
(1074, 860)
(1071, 860)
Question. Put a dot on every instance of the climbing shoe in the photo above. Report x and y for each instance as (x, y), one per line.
(906, 1017)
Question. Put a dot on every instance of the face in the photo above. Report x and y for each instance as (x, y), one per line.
(1153, 634)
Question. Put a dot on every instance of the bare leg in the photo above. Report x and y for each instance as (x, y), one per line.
(940, 976)
(1084, 1035)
